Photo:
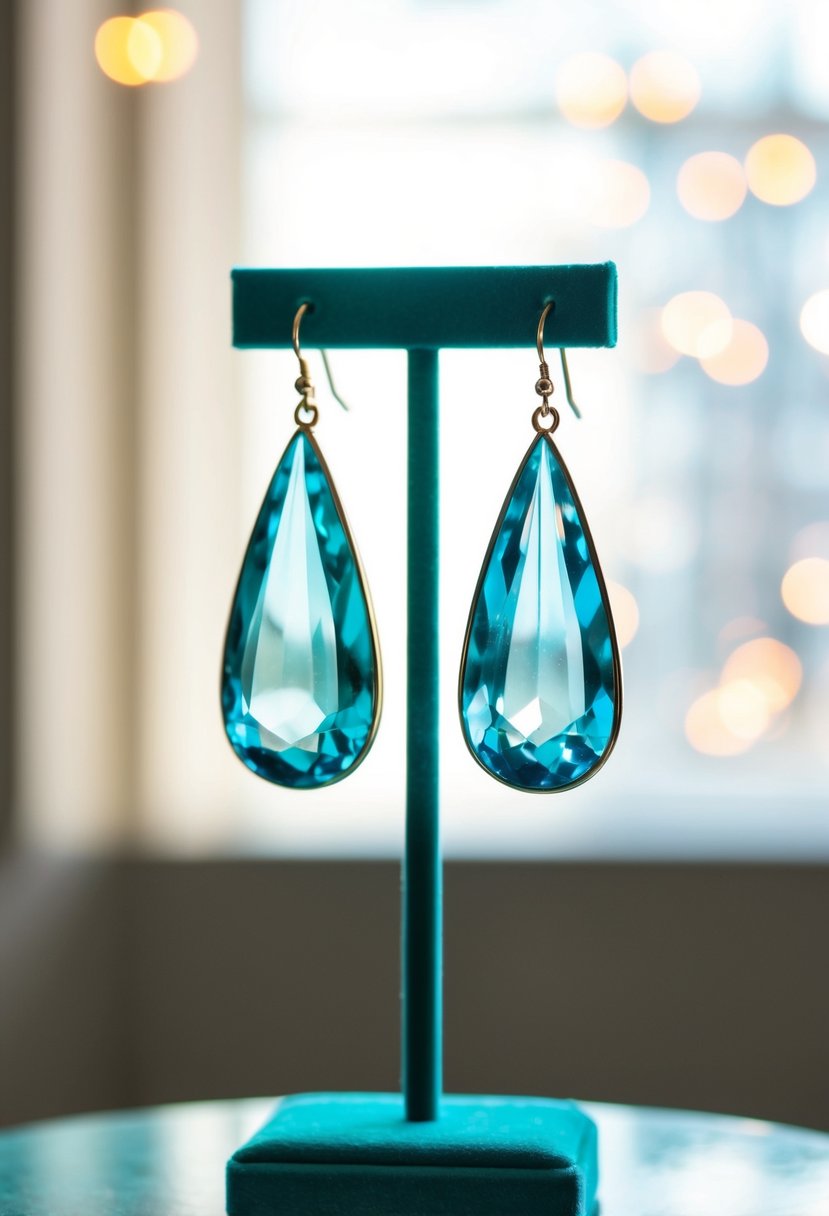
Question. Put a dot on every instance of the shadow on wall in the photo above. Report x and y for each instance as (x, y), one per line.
(131, 983)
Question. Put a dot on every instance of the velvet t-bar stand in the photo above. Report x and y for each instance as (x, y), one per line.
(329, 1154)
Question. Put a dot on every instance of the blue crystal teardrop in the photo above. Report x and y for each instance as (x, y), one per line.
(540, 686)
(301, 673)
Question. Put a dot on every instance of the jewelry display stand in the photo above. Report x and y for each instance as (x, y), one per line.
(419, 1152)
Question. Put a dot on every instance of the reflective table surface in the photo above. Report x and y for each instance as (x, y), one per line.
(169, 1161)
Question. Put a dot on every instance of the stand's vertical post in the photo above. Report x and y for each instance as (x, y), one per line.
(422, 1048)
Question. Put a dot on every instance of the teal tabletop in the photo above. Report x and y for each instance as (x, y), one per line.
(169, 1161)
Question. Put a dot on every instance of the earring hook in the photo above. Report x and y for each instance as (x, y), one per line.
(544, 385)
(304, 384)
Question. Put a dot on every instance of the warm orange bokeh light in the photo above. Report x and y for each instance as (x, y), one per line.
(621, 197)
(145, 49)
(113, 50)
(742, 360)
(711, 186)
(772, 668)
(591, 89)
(664, 86)
(697, 323)
(780, 170)
(805, 590)
(179, 43)
(759, 680)
(743, 709)
(706, 730)
(160, 45)
(625, 613)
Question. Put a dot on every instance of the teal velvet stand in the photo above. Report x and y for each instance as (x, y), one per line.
(417, 1152)
(332, 1154)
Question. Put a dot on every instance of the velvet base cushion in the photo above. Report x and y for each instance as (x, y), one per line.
(352, 1154)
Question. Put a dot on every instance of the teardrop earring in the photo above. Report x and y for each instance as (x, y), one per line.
(540, 692)
(301, 678)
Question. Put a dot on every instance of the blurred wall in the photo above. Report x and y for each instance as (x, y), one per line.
(8, 78)
(682, 985)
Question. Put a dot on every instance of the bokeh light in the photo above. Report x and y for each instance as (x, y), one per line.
(780, 170)
(742, 360)
(706, 730)
(179, 43)
(664, 86)
(625, 613)
(759, 680)
(743, 709)
(771, 667)
(711, 186)
(160, 46)
(805, 590)
(117, 41)
(814, 321)
(591, 89)
(621, 196)
(145, 49)
(697, 323)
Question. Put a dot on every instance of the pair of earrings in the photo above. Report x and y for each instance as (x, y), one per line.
(540, 692)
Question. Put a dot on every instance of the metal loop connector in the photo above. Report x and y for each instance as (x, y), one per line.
(550, 416)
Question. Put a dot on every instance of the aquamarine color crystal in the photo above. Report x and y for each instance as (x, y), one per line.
(539, 693)
(301, 680)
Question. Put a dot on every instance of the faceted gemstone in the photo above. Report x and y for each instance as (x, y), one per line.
(539, 693)
(301, 680)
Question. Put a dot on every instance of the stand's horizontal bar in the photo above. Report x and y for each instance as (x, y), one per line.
(413, 307)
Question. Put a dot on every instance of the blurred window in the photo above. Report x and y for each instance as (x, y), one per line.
(681, 141)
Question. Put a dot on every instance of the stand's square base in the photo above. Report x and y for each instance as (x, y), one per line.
(355, 1155)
